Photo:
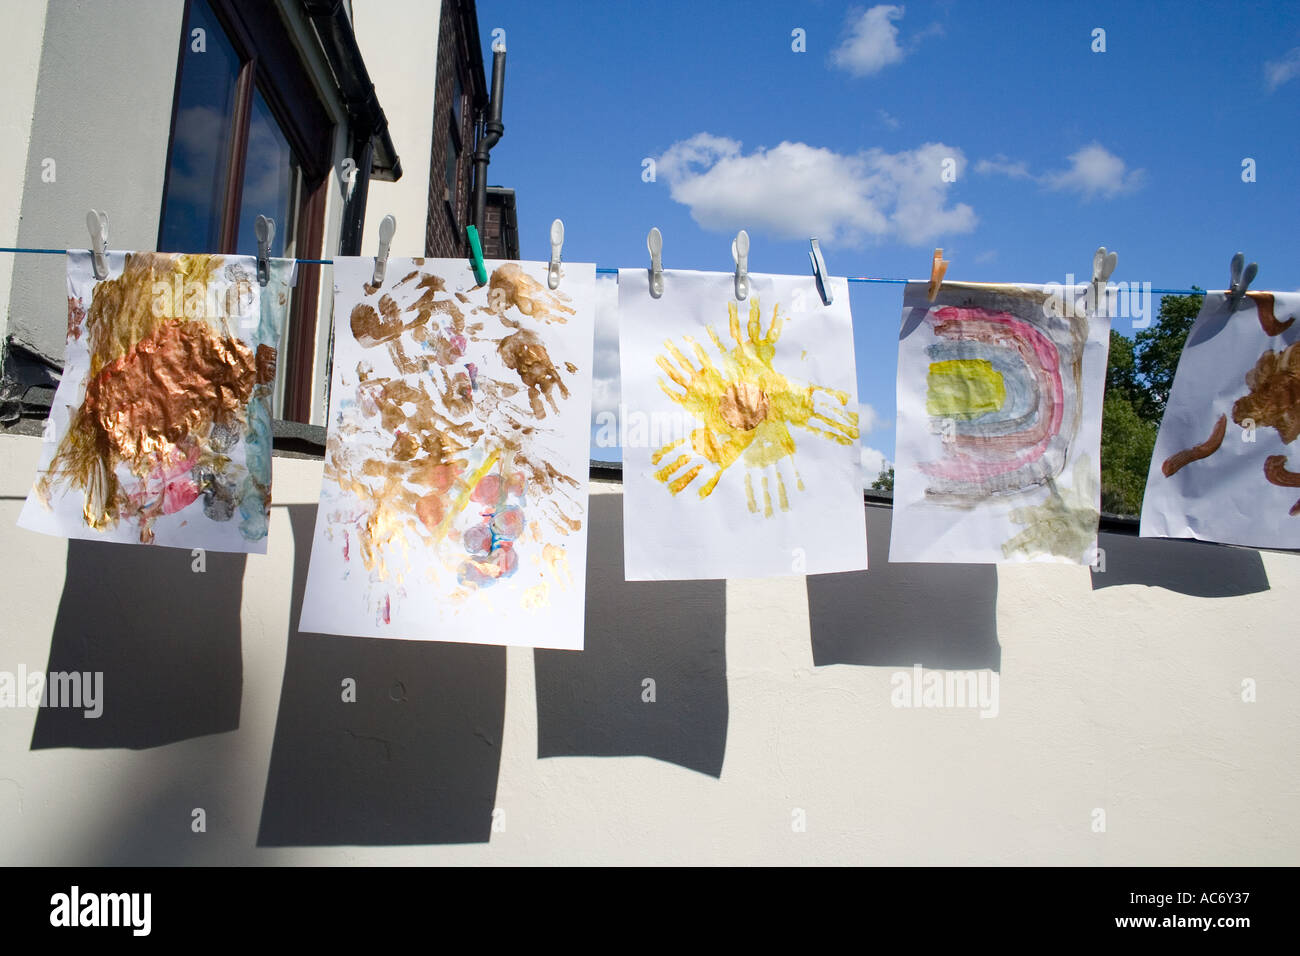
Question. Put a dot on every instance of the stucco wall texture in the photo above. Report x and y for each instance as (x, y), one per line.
(1121, 735)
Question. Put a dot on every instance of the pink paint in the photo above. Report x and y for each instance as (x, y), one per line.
(1043, 360)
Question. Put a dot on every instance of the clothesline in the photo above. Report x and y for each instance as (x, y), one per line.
(599, 271)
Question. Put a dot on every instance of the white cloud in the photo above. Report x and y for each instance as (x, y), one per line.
(1277, 72)
(889, 119)
(605, 388)
(999, 165)
(869, 420)
(794, 190)
(873, 463)
(1096, 171)
(871, 41)
(984, 258)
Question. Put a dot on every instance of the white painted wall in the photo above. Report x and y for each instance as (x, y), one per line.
(103, 113)
(20, 52)
(403, 65)
(1126, 698)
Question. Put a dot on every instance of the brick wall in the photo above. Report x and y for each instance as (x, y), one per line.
(449, 214)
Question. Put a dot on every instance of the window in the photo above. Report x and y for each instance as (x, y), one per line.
(457, 103)
(453, 177)
(250, 137)
(201, 140)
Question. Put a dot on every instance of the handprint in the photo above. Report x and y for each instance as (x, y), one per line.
(746, 408)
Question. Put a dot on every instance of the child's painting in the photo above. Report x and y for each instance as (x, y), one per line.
(1226, 465)
(999, 425)
(454, 502)
(160, 429)
(740, 428)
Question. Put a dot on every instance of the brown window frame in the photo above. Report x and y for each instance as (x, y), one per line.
(270, 64)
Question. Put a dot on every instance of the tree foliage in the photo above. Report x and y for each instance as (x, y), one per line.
(885, 480)
(1139, 375)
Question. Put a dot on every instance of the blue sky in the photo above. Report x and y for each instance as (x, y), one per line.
(1058, 149)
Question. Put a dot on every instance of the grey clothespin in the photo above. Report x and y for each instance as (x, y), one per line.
(97, 223)
(819, 272)
(655, 243)
(387, 226)
(557, 244)
(264, 229)
(740, 252)
(1241, 280)
(1103, 264)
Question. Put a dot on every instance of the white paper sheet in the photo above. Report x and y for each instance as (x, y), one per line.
(999, 425)
(454, 502)
(740, 430)
(1225, 462)
(160, 429)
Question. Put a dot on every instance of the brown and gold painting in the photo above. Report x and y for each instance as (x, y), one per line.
(1226, 465)
(160, 430)
(454, 501)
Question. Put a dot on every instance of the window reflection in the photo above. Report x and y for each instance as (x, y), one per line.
(200, 154)
(270, 183)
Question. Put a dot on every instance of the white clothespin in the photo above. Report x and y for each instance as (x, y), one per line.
(938, 269)
(264, 229)
(97, 223)
(1103, 264)
(740, 252)
(819, 272)
(1241, 280)
(557, 243)
(387, 226)
(655, 243)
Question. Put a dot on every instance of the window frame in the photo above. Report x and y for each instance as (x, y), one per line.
(270, 64)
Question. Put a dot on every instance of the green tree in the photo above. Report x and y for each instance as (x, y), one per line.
(1139, 375)
(885, 480)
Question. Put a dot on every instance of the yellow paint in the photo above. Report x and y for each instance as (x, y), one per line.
(963, 388)
(745, 406)
(659, 455)
(467, 486)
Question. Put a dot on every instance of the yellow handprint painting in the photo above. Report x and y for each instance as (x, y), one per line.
(741, 454)
(747, 409)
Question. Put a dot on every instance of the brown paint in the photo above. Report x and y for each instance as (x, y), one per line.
(1275, 471)
(743, 406)
(1265, 303)
(1274, 399)
(524, 353)
(1204, 450)
(511, 287)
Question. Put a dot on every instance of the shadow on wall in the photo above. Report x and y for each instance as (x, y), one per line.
(942, 616)
(414, 760)
(1194, 568)
(165, 637)
(594, 703)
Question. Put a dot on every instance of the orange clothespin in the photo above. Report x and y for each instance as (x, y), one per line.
(938, 268)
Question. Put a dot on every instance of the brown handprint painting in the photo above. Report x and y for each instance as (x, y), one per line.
(454, 499)
(741, 452)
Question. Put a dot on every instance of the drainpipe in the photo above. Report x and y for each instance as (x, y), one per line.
(491, 131)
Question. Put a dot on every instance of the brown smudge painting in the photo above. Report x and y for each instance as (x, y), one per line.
(160, 432)
(454, 499)
(1233, 484)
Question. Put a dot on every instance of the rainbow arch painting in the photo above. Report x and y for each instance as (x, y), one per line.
(999, 425)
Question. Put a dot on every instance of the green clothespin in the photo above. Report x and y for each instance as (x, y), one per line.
(476, 250)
